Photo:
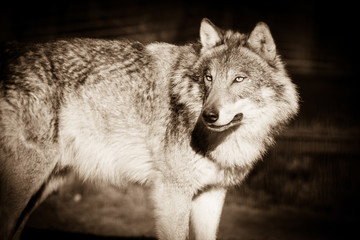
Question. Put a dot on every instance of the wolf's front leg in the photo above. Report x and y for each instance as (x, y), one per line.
(205, 213)
(172, 206)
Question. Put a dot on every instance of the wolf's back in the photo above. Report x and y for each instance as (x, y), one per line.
(38, 80)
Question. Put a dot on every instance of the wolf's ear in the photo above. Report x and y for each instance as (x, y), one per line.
(209, 34)
(261, 41)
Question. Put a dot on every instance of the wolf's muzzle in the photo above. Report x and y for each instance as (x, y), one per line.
(210, 117)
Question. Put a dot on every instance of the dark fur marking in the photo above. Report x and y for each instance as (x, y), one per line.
(56, 102)
(55, 119)
(138, 46)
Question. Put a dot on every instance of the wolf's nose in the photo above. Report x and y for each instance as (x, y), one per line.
(210, 116)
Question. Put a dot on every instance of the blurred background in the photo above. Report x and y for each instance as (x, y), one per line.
(307, 187)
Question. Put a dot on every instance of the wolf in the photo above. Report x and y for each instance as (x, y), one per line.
(185, 121)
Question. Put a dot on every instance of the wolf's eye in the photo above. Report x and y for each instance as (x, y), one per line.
(208, 77)
(239, 79)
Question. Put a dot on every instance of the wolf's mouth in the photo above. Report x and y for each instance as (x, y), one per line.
(234, 122)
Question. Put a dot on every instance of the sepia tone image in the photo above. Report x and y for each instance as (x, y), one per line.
(179, 120)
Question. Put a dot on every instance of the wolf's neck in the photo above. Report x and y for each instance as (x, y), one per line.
(231, 148)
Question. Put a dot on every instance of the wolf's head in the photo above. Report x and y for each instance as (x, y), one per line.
(244, 78)
(247, 92)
